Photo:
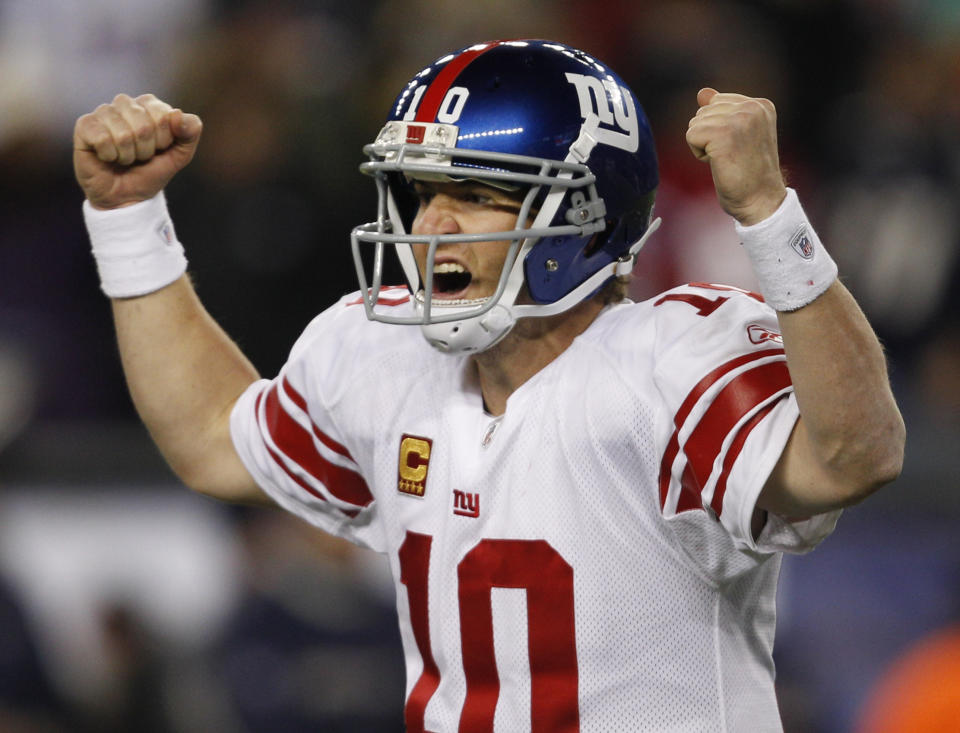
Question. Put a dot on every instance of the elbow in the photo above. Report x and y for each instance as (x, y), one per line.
(196, 477)
(872, 479)
(892, 467)
(888, 460)
(232, 485)
(874, 461)
(218, 477)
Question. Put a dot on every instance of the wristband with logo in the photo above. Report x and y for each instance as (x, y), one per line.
(790, 263)
(136, 247)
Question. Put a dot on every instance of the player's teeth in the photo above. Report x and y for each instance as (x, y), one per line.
(445, 267)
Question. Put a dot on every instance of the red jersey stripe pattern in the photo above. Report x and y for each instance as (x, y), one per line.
(307, 456)
(739, 403)
(388, 295)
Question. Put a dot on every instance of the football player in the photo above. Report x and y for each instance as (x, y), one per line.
(583, 500)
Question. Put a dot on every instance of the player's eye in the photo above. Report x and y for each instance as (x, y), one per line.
(477, 197)
(424, 196)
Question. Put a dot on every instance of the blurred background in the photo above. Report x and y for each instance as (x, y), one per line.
(128, 604)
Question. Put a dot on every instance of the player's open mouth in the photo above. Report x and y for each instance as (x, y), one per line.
(450, 280)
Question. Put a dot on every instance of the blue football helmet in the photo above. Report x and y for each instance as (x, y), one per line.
(523, 115)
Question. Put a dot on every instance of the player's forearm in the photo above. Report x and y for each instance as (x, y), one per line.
(850, 425)
(184, 374)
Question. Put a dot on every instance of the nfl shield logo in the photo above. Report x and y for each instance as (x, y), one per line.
(802, 244)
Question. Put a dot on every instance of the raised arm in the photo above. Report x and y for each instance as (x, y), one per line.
(849, 439)
(184, 373)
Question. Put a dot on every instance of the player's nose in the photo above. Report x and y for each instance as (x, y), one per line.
(436, 217)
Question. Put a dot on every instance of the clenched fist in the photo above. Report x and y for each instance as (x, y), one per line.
(128, 150)
(737, 135)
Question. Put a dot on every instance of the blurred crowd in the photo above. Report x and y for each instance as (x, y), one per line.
(289, 91)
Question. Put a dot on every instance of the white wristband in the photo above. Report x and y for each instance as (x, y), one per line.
(136, 247)
(791, 264)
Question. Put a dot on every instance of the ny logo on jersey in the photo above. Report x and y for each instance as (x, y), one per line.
(413, 464)
(604, 103)
(466, 505)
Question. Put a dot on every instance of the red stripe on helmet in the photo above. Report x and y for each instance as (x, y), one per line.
(433, 97)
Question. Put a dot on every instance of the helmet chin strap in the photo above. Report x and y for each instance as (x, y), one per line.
(477, 333)
(471, 335)
(618, 268)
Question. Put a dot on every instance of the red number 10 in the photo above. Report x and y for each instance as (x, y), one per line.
(548, 579)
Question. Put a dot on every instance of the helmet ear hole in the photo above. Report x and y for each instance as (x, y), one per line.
(597, 240)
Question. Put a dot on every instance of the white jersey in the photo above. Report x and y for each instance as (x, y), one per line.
(584, 562)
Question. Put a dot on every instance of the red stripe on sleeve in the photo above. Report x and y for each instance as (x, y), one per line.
(433, 97)
(279, 461)
(689, 492)
(381, 300)
(728, 460)
(300, 402)
(711, 286)
(673, 446)
(743, 394)
(295, 443)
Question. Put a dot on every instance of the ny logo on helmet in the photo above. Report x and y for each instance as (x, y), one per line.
(605, 103)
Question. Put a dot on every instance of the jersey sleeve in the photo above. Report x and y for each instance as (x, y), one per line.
(722, 374)
(292, 446)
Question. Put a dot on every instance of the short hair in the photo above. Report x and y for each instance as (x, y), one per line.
(615, 290)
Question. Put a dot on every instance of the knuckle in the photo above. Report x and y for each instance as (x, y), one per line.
(157, 109)
(144, 131)
(760, 108)
(747, 115)
(106, 150)
(99, 139)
